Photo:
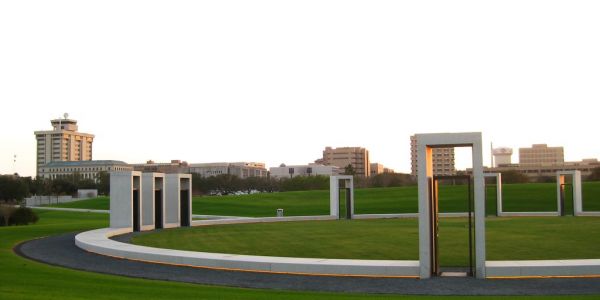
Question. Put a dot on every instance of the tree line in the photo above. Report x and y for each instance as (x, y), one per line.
(228, 184)
(13, 189)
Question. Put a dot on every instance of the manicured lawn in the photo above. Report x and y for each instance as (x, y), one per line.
(102, 202)
(517, 197)
(21, 278)
(396, 239)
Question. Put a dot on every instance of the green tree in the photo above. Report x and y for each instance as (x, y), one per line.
(349, 170)
(514, 177)
(13, 189)
(595, 176)
(103, 183)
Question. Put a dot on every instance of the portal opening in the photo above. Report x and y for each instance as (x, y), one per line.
(460, 232)
(345, 202)
(136, 210)
(158, 209)
(185, 207)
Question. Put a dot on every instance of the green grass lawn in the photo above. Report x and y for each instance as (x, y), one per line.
(102, 202)
(395, 239)
(517, 197)
(21, 278)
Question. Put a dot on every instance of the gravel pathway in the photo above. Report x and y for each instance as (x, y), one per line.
(61, 251)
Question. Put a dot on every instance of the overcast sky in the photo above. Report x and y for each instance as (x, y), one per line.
(278, 81)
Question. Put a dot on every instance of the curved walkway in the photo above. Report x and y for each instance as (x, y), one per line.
(61, 251)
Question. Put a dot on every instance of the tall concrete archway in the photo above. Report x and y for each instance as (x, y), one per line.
(425, 145)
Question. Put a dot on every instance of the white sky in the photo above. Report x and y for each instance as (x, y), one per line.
(277, 81)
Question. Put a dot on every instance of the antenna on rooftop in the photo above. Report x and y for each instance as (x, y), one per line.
(66, 115)
(15, 164)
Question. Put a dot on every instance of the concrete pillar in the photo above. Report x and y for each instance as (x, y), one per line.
(124, 186)
(577, 194)
(334, 194)
(175, 186)
(153, 183)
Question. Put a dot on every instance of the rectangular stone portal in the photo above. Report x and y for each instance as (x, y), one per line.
(425, 144)
(125, 200)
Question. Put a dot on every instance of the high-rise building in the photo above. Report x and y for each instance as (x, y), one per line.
(443, 159)
(541, 154)
(62, 143)
(341, 157)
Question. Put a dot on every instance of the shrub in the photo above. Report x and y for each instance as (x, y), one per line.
(23, 216)
(17, 216)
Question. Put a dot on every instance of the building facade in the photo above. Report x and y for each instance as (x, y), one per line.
(443, 160)
(174, 167)
(377, 168)
(541, 155)
(586, 167)
(85, 169)
(62, 143)
(341, 157)
(239, 169)
(284, 171)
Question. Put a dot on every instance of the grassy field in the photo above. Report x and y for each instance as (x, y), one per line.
(517, 197)
(24, 279)
(396, 239)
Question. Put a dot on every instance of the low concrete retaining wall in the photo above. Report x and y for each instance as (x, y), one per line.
(101, 211)
(529, 214)
(543, 268)
(408, 215)
(588, 214)
(98, 241)
(47, 200)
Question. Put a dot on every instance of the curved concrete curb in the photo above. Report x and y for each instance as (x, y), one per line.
(98, 241)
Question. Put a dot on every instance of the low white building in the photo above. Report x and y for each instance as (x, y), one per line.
(239, 169)
(303, 170)
(87, 169)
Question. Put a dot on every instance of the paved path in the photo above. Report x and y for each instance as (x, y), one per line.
(61, 251)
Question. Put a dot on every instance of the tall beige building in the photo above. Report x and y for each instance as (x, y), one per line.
(63, 143)
(443, 159)
(342, 157)
(541, 154)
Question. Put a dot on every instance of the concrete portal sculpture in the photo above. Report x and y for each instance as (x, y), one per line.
(560, 192)
(178, 204)
(498, 177)
(334, 195)
(126, 200)
(150, 200)
(427, 213)
(153, 201)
